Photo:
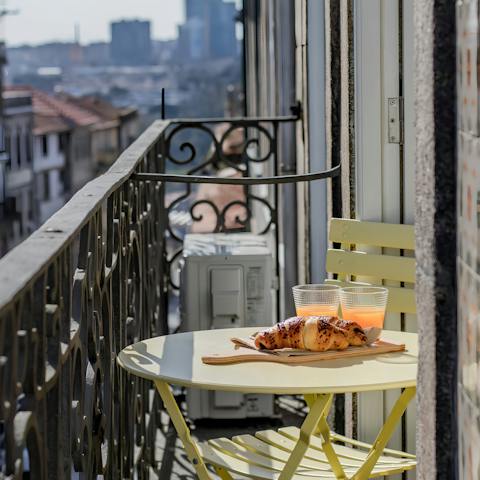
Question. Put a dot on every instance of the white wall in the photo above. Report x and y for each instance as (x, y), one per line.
(54, 158)
(384, 171)
(19, 176)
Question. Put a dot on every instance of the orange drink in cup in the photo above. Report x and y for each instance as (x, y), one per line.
(316, 299)
(364, 305)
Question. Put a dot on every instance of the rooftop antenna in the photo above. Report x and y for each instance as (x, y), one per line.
(4, 11)
(163, 104)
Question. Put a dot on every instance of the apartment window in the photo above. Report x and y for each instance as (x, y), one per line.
(46, 186)
(61, 142)
(8, 148)
(31, 204)
(28, 145)
(44, 140)
(18, 138)
(63, 179)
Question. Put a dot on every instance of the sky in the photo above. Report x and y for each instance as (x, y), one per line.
(40, 21)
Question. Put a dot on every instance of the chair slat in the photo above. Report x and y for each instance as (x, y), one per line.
(287, 444)
(240, 452)
(316, 442)
(241, 467)
(400, 299)
(256, 445)
(372, 233)
(264, 456)
(387, 267)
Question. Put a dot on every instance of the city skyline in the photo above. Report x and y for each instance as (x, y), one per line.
(165, 15)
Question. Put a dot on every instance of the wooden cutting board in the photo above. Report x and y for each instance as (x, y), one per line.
(243, 350)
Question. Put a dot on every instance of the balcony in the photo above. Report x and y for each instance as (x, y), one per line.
(390, 92)
(98, 275)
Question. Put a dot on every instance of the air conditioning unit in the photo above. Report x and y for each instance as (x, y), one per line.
(226, 281)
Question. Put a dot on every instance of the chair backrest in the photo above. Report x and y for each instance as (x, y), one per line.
(375, 254)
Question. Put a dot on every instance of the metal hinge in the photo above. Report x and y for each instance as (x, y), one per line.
(296, 109)
(395, 120)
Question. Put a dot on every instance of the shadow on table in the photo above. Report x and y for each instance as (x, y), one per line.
(174, 358)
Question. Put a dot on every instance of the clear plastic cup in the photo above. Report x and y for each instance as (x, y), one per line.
(316, 299)
(364, 305)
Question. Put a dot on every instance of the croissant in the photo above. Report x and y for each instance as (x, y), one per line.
(355, 334)
(306, 333)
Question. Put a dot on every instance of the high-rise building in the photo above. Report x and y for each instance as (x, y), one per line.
(194, 9)
(208, 31)
(131, 42)
(223, 42)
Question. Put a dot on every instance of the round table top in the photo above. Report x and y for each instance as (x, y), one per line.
(177, 359)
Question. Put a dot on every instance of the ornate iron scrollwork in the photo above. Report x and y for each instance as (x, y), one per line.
(65, 406)
(231, 145)
(94, 279)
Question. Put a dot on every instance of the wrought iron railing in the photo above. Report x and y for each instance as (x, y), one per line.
(93, 279)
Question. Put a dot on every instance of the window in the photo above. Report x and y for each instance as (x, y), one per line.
(28, 144)
(8, 148)
(18, 138)
(46, 186)
(31, 205)
(62, 140)
(63, 180)
(3, 132)
(44, 140)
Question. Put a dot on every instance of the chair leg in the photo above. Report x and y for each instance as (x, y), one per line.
(385, 433)
(317, 410)
(324, 430)
(183, 431)
(222, 473)
(328, 449)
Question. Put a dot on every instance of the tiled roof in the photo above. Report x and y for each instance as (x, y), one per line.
(43, 124)
(57, 113)
(100, 107)
(51, 112)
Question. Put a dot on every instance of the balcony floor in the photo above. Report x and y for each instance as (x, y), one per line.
(172, 461)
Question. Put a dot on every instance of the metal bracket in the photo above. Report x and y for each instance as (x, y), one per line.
(296, 109)
(395, 120)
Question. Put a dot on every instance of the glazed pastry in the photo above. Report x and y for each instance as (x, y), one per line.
(313, 333)
(355, 333)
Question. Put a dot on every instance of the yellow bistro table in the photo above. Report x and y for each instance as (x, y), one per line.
(176, 359)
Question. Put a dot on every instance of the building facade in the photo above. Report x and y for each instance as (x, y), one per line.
(19, 209)
(50, 144)
(54, 146)
(131, 42)
(208, 32)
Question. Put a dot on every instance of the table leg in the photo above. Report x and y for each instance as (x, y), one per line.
(182, 429)
(318, 409)
(385, 433)
(324, 430)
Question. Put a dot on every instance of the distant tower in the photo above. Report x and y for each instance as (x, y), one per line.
(76, 52)
(77, 33)
(208, 31)
(131, 42)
